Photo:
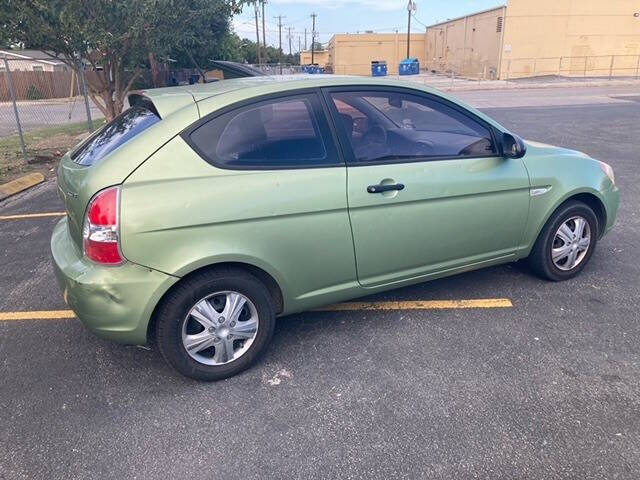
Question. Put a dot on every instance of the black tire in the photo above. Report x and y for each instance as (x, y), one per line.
(540, 259)
(172, 313)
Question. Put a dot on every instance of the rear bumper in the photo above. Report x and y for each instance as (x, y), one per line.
(114, 302)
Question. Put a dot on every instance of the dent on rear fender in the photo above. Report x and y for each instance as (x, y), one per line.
(118, 300)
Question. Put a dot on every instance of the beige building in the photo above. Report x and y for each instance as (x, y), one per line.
(468, 45)
(352, 54)
(321, 57)
(521, 39)
(540, 37)
(571, 37)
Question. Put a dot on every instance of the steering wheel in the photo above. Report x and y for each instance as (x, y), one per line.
(376, 135)
(424, 147)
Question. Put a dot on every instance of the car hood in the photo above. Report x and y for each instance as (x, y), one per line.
(538, 148)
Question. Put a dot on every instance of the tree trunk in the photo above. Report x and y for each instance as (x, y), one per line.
(193, 60)
(156, 75)
(111, 110)
(109, 94)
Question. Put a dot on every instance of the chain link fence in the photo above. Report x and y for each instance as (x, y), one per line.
(278, 68)
(44, 111)
(600, 66)
(475, 68)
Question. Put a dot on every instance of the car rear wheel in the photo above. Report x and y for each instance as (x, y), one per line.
(215, 324)
(566, 242)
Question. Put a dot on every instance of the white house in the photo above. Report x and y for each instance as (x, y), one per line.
(31, 60)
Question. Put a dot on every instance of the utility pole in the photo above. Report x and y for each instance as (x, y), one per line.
(289, 28)
(411, 7)
(280, 17)
(300, 46)
(257, 34)
(305, 38)
(313, 37)
(264, 40)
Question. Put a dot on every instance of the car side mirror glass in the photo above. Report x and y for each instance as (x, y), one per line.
(513, 146)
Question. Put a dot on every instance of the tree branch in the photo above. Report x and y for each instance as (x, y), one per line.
(204, 78)
(67, 59)
(127, 88)
(100, 106)
(95, 69)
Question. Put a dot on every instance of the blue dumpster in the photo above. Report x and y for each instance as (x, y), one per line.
(314, 68)
(409, 66)
(378, 68)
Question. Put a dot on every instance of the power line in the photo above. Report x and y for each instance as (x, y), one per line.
(416, 19)
(298, 20)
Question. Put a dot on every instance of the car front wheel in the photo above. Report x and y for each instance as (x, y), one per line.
(215, 324)
(566, 242)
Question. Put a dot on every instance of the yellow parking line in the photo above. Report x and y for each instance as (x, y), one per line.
(420, 305)
(32, 215)
(340, 307)
(37, 315)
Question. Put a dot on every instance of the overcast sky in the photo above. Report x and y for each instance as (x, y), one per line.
(335, 16)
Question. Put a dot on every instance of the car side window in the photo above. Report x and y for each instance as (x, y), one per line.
(401, 126)
(276, 133)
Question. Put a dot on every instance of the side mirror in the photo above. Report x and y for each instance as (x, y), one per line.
(513, 146)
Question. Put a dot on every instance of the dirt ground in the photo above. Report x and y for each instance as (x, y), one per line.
(44, 149)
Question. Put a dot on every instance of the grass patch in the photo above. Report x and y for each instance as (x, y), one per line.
(44, 147)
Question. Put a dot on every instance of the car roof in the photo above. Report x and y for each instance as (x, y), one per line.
(169, 99)
(280, 83)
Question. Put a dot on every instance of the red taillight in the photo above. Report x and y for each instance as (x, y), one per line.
(101, 230)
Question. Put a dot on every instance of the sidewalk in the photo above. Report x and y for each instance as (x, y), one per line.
(446, 83)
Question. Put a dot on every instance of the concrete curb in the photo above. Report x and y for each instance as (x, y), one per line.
(468, 85)
(531, 86)
(20, 184)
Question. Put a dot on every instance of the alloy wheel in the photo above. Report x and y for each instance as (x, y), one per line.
(220, 328)
(571, 243)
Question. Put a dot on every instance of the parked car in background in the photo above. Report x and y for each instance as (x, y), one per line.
(203, 212)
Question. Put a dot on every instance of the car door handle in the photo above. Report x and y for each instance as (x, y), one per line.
(385, 188)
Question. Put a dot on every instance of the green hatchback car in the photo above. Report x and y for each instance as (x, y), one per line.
(202, 213)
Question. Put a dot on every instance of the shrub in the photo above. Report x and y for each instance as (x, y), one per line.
(33, 93)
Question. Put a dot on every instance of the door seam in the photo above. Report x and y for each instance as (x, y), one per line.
(334, 130)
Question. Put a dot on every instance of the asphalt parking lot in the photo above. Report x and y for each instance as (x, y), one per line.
(547, 388)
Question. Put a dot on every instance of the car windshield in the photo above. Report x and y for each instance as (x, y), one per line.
(114, 134)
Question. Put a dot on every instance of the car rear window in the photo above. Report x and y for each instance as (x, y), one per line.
(276, 133)
(114, 134)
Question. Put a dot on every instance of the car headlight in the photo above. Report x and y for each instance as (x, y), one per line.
(606, 168)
